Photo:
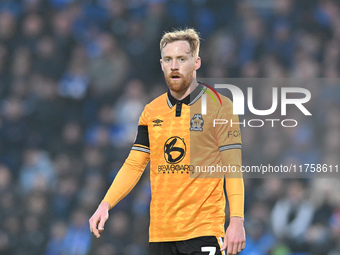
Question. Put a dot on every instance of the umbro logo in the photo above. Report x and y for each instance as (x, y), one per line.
(157, 122)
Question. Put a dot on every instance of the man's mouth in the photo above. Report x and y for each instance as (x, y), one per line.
(175, 77)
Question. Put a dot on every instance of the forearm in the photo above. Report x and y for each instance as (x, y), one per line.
(127, 177)
(235, 193)
(234, 182)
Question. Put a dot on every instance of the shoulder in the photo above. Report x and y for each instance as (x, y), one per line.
(156, 103)
(217, 100)
(226, 101)
(226, 106)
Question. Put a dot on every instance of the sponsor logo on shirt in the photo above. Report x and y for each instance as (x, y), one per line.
(174, 152)
(157, 122)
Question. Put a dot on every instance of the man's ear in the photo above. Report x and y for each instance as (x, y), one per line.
(161, 61)
(197, 63)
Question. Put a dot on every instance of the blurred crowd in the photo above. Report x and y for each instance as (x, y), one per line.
(75, 76)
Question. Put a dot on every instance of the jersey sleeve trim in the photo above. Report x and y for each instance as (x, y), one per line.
(139, 148)
(230, 146)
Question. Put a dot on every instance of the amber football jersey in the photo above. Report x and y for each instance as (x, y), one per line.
(182, 143)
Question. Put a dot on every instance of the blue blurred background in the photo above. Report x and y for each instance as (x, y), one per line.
(75, 76)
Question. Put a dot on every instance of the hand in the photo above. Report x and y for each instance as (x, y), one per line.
(235, 237)
(99, 218)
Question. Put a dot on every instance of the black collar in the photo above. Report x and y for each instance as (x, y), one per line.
(189, 99)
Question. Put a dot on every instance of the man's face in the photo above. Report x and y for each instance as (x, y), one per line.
(179, 65)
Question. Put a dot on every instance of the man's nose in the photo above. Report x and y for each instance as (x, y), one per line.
(174, 65)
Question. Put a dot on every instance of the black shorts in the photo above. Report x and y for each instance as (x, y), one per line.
(205, 245)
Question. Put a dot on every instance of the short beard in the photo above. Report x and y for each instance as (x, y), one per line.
(179, 86)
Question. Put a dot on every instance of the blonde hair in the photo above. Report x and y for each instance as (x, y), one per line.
(188, 34)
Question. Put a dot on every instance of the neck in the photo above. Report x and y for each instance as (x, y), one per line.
(183, 94)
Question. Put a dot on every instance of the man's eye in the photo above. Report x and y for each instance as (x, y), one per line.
(182, 59)
(167, 60)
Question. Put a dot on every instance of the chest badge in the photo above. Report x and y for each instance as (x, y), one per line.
(196, 123)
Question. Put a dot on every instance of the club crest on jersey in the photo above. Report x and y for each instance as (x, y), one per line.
(196, 123)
